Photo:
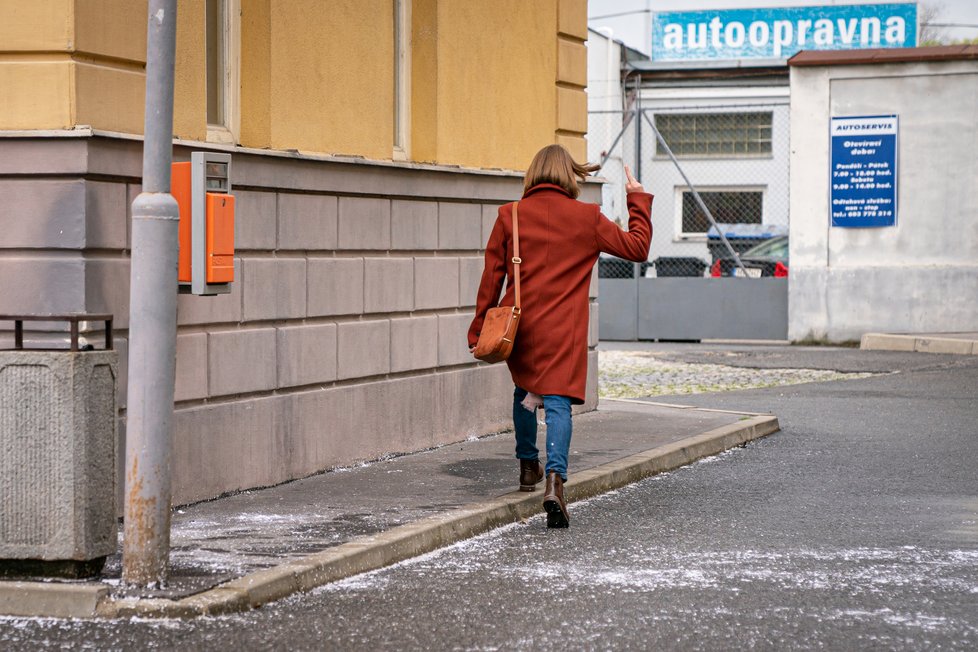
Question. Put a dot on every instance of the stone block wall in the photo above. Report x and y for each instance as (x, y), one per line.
(343, 338)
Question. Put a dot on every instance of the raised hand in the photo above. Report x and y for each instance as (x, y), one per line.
(631, 183)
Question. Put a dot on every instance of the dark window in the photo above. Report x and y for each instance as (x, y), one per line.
(215, 22)
(715, 135)
(727, 206)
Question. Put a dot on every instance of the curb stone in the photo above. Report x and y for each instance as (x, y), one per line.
(919, 343)
(413, 539)
(680, 406)
(55, 600)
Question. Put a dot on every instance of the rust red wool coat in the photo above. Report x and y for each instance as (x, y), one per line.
(560, 239)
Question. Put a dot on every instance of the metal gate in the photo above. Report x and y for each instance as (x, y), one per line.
(718, 265)
(692, 309)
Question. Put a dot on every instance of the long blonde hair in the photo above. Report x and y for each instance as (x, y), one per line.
(554, 164)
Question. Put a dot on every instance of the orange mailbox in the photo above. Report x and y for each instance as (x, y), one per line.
(202, 189)
(180, 189)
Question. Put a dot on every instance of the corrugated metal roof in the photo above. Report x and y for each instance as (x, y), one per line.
(884, 55)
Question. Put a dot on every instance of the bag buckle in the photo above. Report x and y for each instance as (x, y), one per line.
(517, 260)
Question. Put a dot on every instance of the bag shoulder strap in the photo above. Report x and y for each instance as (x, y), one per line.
(516, 252)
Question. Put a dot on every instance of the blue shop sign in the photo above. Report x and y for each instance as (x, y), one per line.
(780, 32)
(863, 173)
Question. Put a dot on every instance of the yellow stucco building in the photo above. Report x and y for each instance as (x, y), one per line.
(461, 82)
(372, 142)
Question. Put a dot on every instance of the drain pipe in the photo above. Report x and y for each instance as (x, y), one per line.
(152, 321)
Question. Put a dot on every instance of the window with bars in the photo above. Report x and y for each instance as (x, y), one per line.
(715, 135)
(726, 206)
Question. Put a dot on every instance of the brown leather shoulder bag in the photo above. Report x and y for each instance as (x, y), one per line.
(499, 328)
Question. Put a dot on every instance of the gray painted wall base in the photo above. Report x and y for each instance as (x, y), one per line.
(57, 455)
(839, 304)
(693, 309)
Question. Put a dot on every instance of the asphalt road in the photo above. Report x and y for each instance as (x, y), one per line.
(856, 527)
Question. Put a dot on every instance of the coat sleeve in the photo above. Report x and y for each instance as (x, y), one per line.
(634, 243)
(492, 279)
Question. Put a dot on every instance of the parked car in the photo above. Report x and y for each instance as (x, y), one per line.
(769, 258)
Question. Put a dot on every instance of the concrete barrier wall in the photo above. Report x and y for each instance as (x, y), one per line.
(343, 338)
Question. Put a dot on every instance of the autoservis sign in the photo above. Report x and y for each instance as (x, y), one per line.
(778, 33)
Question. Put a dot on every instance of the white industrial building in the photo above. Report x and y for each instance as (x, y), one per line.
(727, 122)
(921, 273)
(752, 134)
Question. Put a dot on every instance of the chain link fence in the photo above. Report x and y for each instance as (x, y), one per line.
(719, 174)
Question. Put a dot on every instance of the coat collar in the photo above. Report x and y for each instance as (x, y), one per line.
(544, 186)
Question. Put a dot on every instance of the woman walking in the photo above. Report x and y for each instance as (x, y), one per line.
(559, 239)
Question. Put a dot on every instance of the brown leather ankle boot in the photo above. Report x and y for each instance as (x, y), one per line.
(553, 501)
(531, 472)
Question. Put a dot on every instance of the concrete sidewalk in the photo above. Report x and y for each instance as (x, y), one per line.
(245, 550)
(964, 343)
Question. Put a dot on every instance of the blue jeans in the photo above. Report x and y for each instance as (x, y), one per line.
(558, 418)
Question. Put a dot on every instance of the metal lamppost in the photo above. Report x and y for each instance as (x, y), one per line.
(153, 321)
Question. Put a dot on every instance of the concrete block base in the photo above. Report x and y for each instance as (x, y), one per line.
(57, 456)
